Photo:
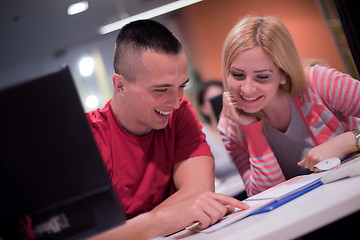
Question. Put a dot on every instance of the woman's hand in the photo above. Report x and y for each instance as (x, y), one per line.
(340, 146)
(232, 110)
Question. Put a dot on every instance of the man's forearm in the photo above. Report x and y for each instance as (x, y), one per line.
(142, 227)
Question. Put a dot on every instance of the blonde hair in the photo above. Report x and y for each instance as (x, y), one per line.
(272, 35)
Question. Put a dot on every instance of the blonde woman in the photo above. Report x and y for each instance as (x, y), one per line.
(279, 120)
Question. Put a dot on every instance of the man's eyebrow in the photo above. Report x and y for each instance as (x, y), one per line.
(187, 80)
(168, 85)
(162, 85)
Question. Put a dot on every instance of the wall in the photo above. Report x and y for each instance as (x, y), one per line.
(204, 26)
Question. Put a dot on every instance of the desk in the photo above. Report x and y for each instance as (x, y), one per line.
(296, 218)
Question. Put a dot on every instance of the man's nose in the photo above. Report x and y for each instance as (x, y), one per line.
(177, 102)
(175, 99)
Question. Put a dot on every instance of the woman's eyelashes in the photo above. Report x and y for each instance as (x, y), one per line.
(258, 77)
(238, 75)
(262, 77)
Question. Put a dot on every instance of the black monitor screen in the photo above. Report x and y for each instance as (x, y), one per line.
(349, 16)
(216, 105)
(53, 184)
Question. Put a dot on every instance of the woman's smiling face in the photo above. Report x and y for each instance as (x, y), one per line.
(254, 80)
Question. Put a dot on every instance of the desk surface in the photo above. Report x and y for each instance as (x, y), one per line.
(296, 218)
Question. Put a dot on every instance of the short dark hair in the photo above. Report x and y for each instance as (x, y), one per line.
(204, 86)
(139, 36)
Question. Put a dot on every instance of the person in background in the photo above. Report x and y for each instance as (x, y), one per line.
(150, 138)
(278, 119)
(227, 179)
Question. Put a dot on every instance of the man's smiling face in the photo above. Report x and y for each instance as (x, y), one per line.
(156, 91)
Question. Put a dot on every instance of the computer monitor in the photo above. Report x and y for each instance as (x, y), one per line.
(53, 184)
(348, 13)
(216, 105)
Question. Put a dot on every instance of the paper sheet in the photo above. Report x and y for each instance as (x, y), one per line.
(267, 197)
(290, 186)
(238, 214)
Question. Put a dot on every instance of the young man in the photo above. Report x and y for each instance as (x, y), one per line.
(151, 140)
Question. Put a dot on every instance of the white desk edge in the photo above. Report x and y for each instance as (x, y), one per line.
(296, 218)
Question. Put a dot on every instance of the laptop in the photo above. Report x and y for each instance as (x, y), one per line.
(53, 183)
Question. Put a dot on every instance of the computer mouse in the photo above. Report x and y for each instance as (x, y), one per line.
(327, 164)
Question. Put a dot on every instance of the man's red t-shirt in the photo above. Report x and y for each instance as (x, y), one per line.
(141, 168)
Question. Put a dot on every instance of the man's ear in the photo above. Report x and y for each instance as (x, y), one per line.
(118, 82)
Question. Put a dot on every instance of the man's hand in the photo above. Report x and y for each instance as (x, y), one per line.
(207, 209)
(194, 200)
